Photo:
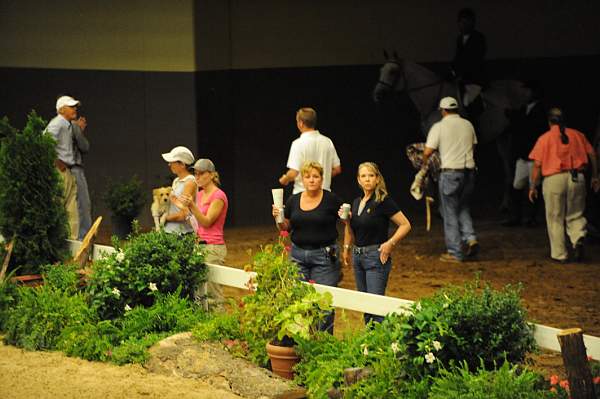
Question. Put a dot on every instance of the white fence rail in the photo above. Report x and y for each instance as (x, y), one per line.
(359, 301)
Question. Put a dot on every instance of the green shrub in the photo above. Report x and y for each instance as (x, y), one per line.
(508, 382)
(8, 299)
(63, 277)
(218, 327)
(152, 261)
(41, 314)
(170, 313)
(90, 341)
(470, 324)
(31, 208)
(135, 349)
(125, 198)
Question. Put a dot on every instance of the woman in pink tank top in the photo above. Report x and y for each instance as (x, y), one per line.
(210, 211)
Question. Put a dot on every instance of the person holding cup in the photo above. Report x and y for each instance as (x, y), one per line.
(209, 209)
(311, 218)
(367, 226)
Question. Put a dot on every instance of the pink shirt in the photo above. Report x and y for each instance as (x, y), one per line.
(557, 157)
(214, 233)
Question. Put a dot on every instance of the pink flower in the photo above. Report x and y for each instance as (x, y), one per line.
(597, 380)
(311, 281)
(554, 379)
(287, 248)
(284, 233)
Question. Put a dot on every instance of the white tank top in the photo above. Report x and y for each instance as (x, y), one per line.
(184, 226)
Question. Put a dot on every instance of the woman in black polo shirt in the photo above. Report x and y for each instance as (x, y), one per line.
(311, 218)
(367, 226)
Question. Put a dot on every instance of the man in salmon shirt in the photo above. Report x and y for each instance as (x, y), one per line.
(561, 155)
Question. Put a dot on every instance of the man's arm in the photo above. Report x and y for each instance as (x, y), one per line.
(426, 154)
(288, 177)
(80, 140)
(535, 176)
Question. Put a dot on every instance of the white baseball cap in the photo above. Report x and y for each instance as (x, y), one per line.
(66, 101)
(448, 103)
(181, 154)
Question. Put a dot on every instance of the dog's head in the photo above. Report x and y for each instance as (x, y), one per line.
(161, 195)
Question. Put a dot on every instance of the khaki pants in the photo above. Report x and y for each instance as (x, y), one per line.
(565, 203)
(70, 201)
(211, 293)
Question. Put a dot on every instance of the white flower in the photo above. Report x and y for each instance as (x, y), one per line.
(127, 308)
(116, 292)
(120, 256)
(437, 345)
(418, 307)
(429, 358)
(365, 349)
(395, 347)
(445, 305)
(152, 287)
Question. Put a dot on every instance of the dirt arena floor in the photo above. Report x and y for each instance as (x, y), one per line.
(561, 296)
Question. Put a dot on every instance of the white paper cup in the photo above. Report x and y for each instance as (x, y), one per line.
(278, 202)
(345, 211)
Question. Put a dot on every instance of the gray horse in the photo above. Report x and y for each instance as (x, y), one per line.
(425, 88)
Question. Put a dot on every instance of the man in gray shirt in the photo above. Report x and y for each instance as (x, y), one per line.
(61, 129)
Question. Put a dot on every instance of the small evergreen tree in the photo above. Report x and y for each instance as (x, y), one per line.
(31, 206)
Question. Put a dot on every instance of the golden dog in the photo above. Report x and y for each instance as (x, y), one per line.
(160, 206)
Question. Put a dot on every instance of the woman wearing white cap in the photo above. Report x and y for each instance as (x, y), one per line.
(180, 158)
(210, 211)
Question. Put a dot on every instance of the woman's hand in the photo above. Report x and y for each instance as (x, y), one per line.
(385, 250)
(275, 211)
(341, 212)
(186, 200)
(177, 201)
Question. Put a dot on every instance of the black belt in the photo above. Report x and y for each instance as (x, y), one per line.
(310, 247)
(365, 249)
(457, 170)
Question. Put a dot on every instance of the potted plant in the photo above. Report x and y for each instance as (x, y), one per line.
(280, 309)
(125, 200)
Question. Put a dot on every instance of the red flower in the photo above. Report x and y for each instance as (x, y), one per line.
(597, 380)
(311, 281)
(554, 379)
(287, 248)
(564, 384)
(284, 233)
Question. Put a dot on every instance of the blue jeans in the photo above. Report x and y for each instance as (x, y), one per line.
(456, 189)
(371, 276)
(322, 267)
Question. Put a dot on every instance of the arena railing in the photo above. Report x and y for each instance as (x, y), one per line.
(545, 336)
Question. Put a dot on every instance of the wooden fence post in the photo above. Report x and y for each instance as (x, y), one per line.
(576, 363)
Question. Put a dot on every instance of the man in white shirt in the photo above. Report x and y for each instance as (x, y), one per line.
(310, 146)
(455, 139)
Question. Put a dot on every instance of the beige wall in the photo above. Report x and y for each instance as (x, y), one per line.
(136, 35)
(243, 34)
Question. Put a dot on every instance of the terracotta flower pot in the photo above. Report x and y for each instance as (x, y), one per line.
(283, 359)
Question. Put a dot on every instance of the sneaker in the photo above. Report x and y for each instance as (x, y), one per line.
(472, 248)
(448, 258)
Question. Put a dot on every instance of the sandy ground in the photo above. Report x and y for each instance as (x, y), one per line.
(561, 296)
